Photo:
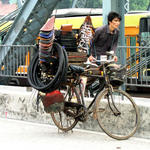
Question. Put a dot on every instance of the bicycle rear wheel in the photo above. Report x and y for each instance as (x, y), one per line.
(65, 120)
(119, 120)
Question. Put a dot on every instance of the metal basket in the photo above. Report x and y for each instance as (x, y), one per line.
(117, 77)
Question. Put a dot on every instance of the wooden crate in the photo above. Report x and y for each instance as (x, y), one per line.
(77, 58)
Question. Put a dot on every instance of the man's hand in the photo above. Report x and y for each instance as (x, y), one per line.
(115, 58)
(91, 58)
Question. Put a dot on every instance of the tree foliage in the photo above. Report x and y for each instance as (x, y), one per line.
(133, 4)
(80, 4)
(94, 4)
(138, 4)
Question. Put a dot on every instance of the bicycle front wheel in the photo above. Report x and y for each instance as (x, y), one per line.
(117, 114)
(65, 119)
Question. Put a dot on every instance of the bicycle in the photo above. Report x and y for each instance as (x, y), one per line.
(116, 112)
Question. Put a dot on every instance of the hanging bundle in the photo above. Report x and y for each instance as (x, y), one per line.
(48, 68)
(55, 75)
(85, 35)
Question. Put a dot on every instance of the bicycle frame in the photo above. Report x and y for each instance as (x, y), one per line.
(80, 96)
(106, 85)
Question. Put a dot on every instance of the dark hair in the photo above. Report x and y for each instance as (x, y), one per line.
(113, 15)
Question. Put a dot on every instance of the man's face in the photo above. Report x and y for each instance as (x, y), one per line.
(115, 23)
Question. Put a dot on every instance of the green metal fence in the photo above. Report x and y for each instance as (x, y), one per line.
(138, 65)
(16, 62)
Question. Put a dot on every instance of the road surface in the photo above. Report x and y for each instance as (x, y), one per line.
(20, 135)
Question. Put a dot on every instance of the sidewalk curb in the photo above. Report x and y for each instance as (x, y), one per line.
(20, 104)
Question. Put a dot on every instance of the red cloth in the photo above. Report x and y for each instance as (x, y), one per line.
(53, 97)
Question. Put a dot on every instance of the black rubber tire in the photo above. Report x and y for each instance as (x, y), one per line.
(123, 125)
(34, 71)
(61, 119)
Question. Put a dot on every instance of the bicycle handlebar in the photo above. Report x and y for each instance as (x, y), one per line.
(93, 63)
(104, 61)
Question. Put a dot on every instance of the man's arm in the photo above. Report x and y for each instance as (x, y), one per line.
(96, 35)
(114, 48)
(115, 43)
(94, 40)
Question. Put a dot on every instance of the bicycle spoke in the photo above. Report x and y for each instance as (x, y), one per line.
(65, 120)
(118, 119)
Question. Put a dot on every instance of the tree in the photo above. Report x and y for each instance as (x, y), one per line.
(138, 4)
(94, 4)
(80, 3)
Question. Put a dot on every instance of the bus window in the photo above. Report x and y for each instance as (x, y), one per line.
(144, 32)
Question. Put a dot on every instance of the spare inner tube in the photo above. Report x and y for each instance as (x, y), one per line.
(56, 70)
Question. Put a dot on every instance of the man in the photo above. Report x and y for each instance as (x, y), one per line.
(106, 37)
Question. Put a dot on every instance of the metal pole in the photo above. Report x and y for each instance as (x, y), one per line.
(74, 3)
(106, 9)
(123, 9)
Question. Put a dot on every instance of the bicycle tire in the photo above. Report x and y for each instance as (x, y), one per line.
(63, 121)
(125, 124)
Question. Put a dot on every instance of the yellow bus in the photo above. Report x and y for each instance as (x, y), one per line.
(76, 16)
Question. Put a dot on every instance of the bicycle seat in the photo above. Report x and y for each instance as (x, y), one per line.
(76, 69)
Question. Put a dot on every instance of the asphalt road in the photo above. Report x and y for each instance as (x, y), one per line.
(20, 135)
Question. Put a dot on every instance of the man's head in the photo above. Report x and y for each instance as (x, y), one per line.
(114, 20)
